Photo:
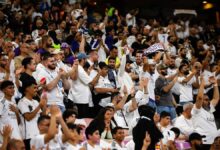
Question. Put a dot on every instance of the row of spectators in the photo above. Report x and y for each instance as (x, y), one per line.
(72, 78)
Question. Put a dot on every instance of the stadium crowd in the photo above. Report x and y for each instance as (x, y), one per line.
(72, 78)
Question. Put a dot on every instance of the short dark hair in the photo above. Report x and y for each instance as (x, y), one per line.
(164, 114)
(146, 111)
(26, 84)
(102, 65)
(114, 131)
(91, 129)
(46, 55)
(26, 61)
(42, 118)
(111, 58)
(5, 84)
(113, 47)
(67, 113)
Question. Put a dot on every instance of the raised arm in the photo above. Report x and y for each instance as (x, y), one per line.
(199, 98)
(215, 99)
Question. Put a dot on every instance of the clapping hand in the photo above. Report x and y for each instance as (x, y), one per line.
(6, 132)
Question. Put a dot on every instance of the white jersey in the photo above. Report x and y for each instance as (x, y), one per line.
(204, 123)
(8, 117)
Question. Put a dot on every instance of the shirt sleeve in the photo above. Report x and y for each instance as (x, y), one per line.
(38, 141)
(23, 107)
(83, 76)
(1, 107)
(195, 111)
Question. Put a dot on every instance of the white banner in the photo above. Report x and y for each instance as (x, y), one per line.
(184, 11)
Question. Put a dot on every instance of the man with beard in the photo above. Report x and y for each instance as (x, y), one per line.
(187, 82)
(171, 45)
(47, 42)
(112, 72)
(181, 56)
(202, 114)
(195, 140)
(137, 45)
(163, 86)
(56, 82)
(149, 73)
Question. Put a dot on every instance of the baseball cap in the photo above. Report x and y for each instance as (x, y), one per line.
(82, 56)
(64, 45)
(161, 67)
(196, 136)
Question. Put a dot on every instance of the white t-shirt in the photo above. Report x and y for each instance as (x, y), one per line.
(176, 88)
(29, 128)
(54, 144)
(185, 125)
(80, 92)
(204, 123)
(151, 83)
(69, 146)
(8, 117)
(104, 82)
(124, 117)
(57, 93)
(130, 145)
(89, 147)
(115, 145)
(186, 89)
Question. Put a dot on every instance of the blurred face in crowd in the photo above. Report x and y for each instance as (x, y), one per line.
(200, 44)
(151, 68)
(104, 71)
(108, 115)
(188, 111)
(39, 23)
(163, 71)
(172, 63)
(139, 58)
(94, 55)
(182, 52)
(9, 91)
(139, 37)
(8, 47)
(172, 40)
(111, 63)
(31, 90)
(44, 126)
(71, 119)
(128, 67)
(166, 120)
(25, 48)
(185, 70)
(120, 135)
(198, 66)
(114, 53)
(95, 137)
(3, 61)
(74, 134)
(206, 102)
(32, 65)
(49, 42)
(51, 63)
(134, 30)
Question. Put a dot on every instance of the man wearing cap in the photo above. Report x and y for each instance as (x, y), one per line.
(165, 99)
(202, 114)
(149, 73)
(80, 92)
(195, 140)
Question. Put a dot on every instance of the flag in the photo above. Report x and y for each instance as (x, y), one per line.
(153, 48)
